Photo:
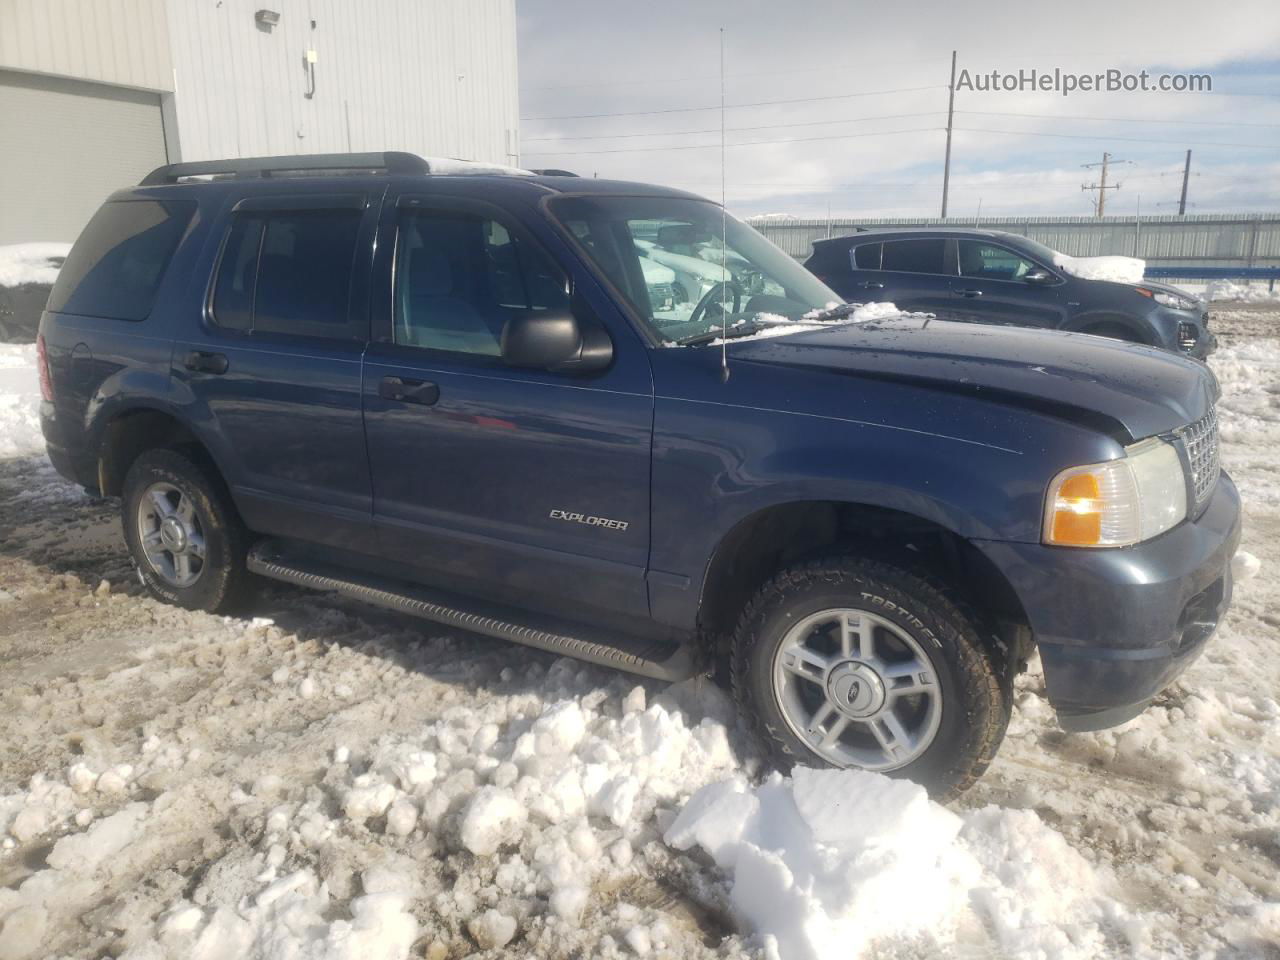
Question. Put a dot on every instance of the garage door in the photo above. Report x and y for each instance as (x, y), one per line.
(65, 145)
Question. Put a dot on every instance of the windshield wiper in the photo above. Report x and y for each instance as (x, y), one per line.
(732, 333)
(831, 313)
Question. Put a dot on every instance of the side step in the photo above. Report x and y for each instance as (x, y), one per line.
(656, 660)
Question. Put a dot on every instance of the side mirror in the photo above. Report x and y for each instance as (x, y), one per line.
(555, 340)
(1039, 276)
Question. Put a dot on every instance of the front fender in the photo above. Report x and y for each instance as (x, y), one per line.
(774, 436)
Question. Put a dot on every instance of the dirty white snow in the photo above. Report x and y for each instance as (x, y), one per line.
(318, 779)
(23, 263)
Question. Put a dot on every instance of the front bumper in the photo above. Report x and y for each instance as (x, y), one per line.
(1115, 627)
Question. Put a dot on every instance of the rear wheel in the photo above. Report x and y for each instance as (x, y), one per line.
(184, 535)
(848, 662)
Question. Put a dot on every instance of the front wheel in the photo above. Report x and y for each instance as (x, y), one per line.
(848, 662)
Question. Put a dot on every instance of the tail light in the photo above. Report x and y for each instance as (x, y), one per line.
(42, 364)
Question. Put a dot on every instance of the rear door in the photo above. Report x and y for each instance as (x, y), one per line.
(991, 288)
(914, 274)
(525, 486)
(273, 374)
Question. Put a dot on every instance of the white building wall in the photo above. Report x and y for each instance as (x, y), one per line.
(120, 42)
(434, 77)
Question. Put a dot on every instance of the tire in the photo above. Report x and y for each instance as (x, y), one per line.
(959, 716)
(216, 582)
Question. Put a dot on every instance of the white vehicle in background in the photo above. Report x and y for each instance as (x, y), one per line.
(660, 282)
(693, 275)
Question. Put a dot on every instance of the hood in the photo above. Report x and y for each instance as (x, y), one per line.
(1127, 391)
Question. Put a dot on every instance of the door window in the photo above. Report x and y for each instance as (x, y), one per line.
(289, 272)
(460, 277)
(867, 256)
(987, 261)
(915, 256)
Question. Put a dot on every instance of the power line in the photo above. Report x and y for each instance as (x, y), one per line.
(650, 81)
(767, 126)
(736, 106)
(1081, 136)
(1049, 116)
(744, 143)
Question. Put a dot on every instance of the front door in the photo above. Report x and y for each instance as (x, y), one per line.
(991, 288)
(522, 485)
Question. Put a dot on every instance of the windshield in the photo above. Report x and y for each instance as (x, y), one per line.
(1037, 249)
(665, 255)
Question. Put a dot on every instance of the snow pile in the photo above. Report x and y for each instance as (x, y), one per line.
(23, 263)
(828, 863)
(19, 401)
(1230, 291)
(1115, 269)
(287, 919)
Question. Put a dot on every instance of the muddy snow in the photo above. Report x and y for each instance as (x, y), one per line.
(320, 779)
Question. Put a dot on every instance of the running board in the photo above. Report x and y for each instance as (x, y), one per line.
(653, 659)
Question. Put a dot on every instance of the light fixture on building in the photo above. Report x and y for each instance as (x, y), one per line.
(266, 18)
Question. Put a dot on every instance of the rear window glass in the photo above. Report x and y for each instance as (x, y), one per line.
(116, 266)
(914, 256)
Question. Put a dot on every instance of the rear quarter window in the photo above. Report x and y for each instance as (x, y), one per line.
(116, 266)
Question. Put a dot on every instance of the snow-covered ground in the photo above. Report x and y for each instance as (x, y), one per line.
(318, 779)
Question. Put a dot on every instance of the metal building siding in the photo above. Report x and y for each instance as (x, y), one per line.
(122, 42)
(78, 142)
(387, 77)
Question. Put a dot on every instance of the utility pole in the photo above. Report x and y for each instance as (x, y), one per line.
(1186, 175)
(1100, 205)
(951, 109)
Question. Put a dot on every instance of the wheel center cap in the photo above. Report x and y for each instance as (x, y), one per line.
(856, 690)
(172, 535)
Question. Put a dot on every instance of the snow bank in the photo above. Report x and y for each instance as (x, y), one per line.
(1219, 291)
(22, 263)
(19, 401)
(830, 862)
(1115, 269)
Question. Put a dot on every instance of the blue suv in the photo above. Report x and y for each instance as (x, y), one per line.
(987, 276)
(457, 395)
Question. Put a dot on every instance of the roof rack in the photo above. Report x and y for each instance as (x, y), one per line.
(554, 172)
(389, 162)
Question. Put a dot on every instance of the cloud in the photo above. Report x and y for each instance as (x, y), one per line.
(863, 155)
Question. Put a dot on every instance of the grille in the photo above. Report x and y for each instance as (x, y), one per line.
(1201, 441)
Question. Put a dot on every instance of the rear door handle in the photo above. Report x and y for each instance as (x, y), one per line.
(971, 293)
(205, 362)
(407, 390)
(871, 285)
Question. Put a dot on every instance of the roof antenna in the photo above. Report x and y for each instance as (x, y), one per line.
(724, 234)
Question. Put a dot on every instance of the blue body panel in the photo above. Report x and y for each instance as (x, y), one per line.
(961, 426)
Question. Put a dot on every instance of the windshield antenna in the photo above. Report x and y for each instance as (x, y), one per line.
(724, 234)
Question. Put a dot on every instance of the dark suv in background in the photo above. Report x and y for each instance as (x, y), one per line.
(458, 396)
(987, 276)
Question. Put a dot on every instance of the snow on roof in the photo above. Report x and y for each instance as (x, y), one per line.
(23, 263)
(448, 166)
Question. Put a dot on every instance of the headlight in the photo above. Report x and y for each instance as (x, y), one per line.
(1172, 300)
(1120, 502)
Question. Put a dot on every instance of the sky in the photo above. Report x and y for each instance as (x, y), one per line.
(857, 123)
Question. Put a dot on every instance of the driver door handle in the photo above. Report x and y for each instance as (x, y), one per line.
(968, 292)
(407, 390)
(871, 285)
